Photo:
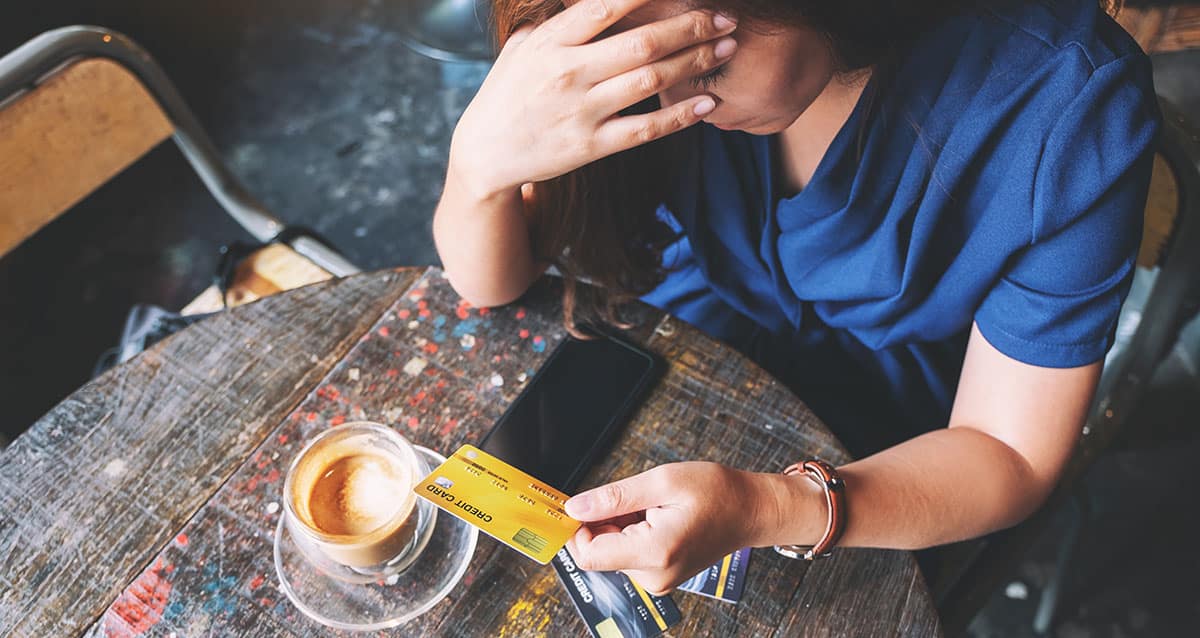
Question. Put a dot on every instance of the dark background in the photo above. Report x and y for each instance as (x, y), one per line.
(332, 121)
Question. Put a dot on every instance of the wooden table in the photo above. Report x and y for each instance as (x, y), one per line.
(144, 504)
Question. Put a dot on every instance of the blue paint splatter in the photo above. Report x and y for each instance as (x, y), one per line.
(439, 321)
(539, 345)
(219, 591)
(439, 336)
(466, 327)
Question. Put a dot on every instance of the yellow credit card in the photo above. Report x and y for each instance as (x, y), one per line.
(506, 503)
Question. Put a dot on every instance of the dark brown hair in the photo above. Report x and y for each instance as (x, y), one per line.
(598, 222)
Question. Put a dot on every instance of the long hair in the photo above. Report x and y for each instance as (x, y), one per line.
(598, 223)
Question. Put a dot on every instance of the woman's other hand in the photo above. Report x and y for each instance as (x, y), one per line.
(550, 103)
(665, 525)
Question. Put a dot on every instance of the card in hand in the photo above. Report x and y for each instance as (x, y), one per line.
(724, 580)
(612, 605)
(506, 503)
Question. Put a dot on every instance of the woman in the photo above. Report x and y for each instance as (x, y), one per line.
(924, 220)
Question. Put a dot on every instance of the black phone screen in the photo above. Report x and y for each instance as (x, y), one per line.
(571, 409)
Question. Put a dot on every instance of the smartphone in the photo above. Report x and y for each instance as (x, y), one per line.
(573, 408)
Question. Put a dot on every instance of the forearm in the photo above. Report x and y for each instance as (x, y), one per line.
(944, 486)
(483, 242)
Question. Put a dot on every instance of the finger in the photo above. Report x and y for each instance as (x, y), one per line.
(622, 133)
(631, 548)
(647, 43)
(631, 87)
(626, 496)
(649, 581)
(587, 19)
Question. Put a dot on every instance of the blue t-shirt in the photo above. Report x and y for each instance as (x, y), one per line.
(999, 177)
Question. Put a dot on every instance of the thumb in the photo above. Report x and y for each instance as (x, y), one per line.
(626, 496)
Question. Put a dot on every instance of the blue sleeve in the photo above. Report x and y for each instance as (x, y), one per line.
(1057, 303)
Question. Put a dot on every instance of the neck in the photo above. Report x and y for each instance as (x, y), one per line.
(803, 144)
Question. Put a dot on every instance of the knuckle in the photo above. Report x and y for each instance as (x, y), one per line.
(599, 9)
(647, 132)
(643, 46)
(649, 80)
(702, 26)
(585, 562)
(612, 497)
(564, 79)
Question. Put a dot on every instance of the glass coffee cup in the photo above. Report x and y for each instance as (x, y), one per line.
(349, 503)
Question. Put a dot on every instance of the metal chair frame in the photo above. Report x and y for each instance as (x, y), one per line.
(42, 57)
(1173, 301)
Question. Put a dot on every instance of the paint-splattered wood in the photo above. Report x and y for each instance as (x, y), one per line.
(96, 488)
(441, 372)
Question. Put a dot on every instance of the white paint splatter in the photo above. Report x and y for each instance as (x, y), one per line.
(392, 415)
(415, 366)
(354, 374)
(393, 579)
(467, 341)
(497, 380)
(272, 507)
(115, 468)
(412, 325)
(521, 377)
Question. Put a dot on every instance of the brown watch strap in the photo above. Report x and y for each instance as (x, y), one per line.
(834, 489)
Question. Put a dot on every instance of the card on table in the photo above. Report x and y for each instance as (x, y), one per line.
(612, 605)
(724, 580)
(506, 503)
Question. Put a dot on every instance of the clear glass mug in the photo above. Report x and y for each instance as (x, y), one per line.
(350, 506)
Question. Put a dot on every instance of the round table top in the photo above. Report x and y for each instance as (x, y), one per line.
(146, 501)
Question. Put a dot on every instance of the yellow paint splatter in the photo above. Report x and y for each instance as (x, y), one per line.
(529, 612)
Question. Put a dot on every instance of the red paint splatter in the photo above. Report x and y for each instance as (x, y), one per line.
(423, 313)
(282, 438)
(422, 304)
(413, 422)
(312, 416)
(272, 476)
(383, 331)
(462, 313)
(496, 359)
(520, 313)
(524, 334)
(484, 311)
(338, 420)
(538, 339)
(417, 293)
(257, 582)
(141, 605)
(181, 539)
(448, 426)
(392, 372)
(266, 602)
(440, 384)
(431, 347)
(403, 314)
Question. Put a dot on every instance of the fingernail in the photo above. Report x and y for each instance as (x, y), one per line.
(725, 48)
(577, 506)
(702, 108)
(722, 22)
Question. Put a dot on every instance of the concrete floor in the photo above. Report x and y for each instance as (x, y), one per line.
(338, 126)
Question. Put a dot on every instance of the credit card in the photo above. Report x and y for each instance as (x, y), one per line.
(502, 501)
(724, 580)
(612, 605)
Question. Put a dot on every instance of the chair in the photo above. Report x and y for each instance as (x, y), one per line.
(969, 572)
(80, 104)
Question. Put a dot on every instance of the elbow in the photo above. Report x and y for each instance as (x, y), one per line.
(482, 294)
